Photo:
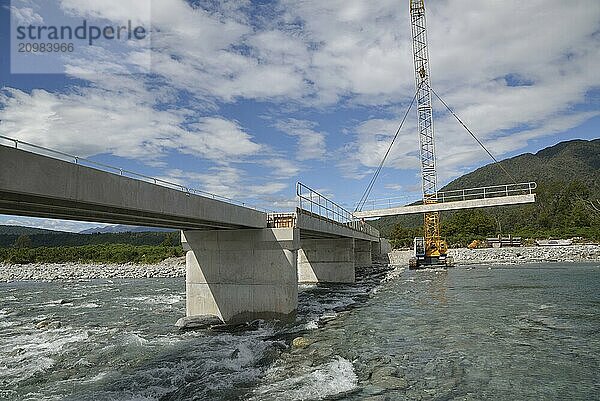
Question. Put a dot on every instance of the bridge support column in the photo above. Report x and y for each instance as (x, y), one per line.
(326, 261)
(362, 253)
(381, 249)
(242, 275)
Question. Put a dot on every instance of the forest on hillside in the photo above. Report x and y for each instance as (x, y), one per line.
(567, 206)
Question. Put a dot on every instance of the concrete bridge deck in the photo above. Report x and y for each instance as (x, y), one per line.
(451, 205)
(40, 186)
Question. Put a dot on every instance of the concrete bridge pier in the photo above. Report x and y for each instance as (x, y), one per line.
(242, 275)
(362, 253)
(326, 260)
(380, 249)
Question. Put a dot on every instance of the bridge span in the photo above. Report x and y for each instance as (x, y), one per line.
(242, 263)
(471, 198)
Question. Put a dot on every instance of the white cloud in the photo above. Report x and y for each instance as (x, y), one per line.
(476, 63)
(216, 139)
(89, 121)
(311, 144)
(26, 16)
(282, 168)
(49, 224)
(124, 123)
(230, 182)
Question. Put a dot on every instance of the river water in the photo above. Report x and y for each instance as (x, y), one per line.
(498, 333)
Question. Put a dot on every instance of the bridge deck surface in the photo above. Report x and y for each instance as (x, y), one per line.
(454, 205)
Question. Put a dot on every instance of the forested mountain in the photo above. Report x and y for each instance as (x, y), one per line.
(568, 199)
(57, 238)
(119, 228)
(19, 230)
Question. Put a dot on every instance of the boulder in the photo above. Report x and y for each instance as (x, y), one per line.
(198, 322)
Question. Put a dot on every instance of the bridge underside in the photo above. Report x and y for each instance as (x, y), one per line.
(455, 205)
(39, 186)
(37, 206)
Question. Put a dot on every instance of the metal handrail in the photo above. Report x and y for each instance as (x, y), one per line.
(493, 191)
(128, 173)
(317, 204)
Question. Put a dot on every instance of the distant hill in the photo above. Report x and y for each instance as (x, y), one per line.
(124, 229)
(568, 178)
(19, 230)
(576, 160)
(76, 239)
(119, 234)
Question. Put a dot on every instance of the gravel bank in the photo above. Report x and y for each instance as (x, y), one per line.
(175, 267)
(464, 256)
(172, 267)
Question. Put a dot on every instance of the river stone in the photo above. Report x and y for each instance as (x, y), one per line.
(300, 342)
(384, 377)
(54, 325)
(198, 321)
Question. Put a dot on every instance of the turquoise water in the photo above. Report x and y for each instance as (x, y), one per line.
(505, 333)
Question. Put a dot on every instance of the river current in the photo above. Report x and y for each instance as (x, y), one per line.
(486, 333)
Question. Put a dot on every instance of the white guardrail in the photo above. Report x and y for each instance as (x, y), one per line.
(493, 191)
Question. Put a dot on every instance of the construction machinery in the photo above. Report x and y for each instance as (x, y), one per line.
(431, 249)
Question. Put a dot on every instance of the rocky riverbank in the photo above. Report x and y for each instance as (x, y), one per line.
(175, 267)
(464, 256)
(172, 267)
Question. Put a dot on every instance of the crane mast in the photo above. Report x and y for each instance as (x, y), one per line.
(430, 249)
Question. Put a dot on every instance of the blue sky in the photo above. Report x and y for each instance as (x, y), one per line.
(244, 98)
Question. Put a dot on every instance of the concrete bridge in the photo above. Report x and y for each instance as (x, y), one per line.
(242, 263)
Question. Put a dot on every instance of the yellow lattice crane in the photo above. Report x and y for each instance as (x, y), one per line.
(431, 249)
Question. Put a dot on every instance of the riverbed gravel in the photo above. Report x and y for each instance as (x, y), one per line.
(172, 267)
(516, 255)
(175, 267)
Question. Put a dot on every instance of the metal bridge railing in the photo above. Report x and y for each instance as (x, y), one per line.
(494, 191)
(18, 144)
(317, 204)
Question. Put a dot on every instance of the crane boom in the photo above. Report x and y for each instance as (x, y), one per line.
(431, 249)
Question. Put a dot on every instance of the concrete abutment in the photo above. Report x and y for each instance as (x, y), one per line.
(241, 275)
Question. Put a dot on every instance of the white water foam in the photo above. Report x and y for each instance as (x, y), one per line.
(158, 299)
(326, 380)
(87, 305)
(25, 355)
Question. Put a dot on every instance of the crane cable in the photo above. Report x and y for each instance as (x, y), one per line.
(474, 136)
(365, 196)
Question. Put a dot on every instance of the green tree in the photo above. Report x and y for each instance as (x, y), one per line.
(402, 237)
(23, 241)
(171, 239)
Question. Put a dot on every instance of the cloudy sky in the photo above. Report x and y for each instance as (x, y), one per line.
(244, 98)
